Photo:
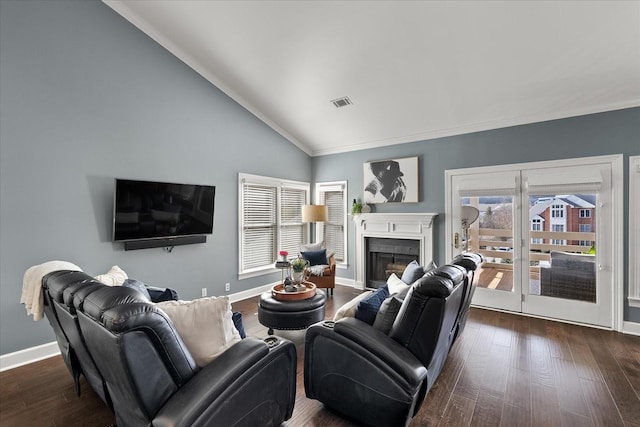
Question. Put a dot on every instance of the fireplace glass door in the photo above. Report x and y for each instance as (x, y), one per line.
(388, 256)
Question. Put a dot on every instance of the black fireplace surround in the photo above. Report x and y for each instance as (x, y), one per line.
(384, 256)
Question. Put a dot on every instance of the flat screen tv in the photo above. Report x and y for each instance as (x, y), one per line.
(145, 210)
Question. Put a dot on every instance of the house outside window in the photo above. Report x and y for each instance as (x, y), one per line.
(270, 220)
(333, 232)
(585, 213)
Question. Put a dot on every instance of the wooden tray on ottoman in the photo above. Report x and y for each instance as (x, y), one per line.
(278, 292)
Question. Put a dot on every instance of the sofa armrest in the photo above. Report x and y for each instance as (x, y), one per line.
(381, 346)
(245, 370)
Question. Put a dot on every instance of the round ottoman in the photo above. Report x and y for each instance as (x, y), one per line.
(275, 314)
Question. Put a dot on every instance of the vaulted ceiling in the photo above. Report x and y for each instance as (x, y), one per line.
(411, 70)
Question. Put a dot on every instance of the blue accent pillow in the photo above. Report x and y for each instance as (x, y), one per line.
(162, 294)
(236, 316)
(368, 308)
(316, 257)
(412, 272)
(138, 286)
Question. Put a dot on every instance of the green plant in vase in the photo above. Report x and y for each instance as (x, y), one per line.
(298, 266)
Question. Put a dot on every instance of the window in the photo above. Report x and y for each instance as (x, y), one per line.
(585, 228)
(333, 232)
(557, 228)
(585, 213)
(270, 220)
(557, 211)
(536, 225)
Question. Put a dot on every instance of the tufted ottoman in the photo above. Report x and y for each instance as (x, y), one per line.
(275, 314)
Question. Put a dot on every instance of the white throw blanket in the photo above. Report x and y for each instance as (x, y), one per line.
(32, 285)
(317, 270)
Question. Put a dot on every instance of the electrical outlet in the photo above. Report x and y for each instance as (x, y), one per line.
(227, 287)
(204, 292)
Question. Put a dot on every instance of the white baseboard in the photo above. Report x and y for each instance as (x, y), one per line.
(631, 328)
(28, 355)
(44, 351)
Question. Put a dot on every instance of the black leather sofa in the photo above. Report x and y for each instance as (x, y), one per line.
(135, 360)
(379, 379)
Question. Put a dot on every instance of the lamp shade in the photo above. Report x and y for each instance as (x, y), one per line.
(315, 213)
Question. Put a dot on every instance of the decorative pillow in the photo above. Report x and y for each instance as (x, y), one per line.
(368, 308)
(387, 314)
(162, 294)
(316, 257)
(312, 247)
(395, 285)
(114, 277)
(349, 309)
(236, 316)
(412, 272)
(138, 286)
(205, 326)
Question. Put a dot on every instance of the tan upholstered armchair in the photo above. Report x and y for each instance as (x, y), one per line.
(328, 278)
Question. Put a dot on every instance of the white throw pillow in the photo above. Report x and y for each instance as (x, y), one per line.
(311, 247)
(205, 326)
(349, 309)
(395, 284)
(114, 277)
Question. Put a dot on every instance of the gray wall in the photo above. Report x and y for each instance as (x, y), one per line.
(616, 132)
(87, 97)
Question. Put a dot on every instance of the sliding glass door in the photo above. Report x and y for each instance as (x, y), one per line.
(543, 234)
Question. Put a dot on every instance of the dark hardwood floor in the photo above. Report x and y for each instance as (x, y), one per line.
(505, 370)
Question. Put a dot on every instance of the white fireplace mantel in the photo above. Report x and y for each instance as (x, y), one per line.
(415, 226)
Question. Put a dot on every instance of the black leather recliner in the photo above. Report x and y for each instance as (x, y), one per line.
(149, 374)
(379, 379)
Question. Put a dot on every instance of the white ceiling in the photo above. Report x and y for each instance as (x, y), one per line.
(414, 70)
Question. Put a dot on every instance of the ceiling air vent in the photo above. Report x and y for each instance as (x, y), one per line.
(342, 102)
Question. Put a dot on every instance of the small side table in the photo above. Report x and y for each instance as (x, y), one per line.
(283, 265)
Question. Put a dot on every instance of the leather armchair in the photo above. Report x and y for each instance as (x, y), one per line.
(378, 379)
(328, 278)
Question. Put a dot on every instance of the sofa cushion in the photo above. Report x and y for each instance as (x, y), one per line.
(114, 277)
(368, 308)
(395, 284)
(387, 314)
(316, 257)
(349, 308)
(205, 326)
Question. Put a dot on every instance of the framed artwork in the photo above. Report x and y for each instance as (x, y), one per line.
(391, 181)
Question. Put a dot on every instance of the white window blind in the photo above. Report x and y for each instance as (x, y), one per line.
(270, 221)
(334, 227)
(258, 225)
(334, 231)
(291, 226)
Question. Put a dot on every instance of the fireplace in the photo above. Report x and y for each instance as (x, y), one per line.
(385, 256)
(386, 243)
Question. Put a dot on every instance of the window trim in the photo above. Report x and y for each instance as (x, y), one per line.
(321, 187)
(634, 231)
(268, 181)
